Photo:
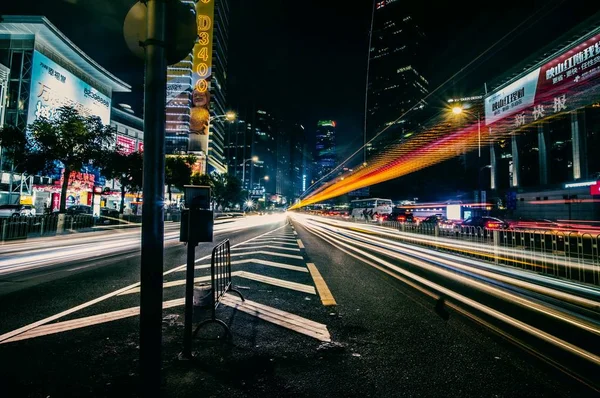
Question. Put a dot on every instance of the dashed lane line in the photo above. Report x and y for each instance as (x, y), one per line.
(300, 244)
(322, 288)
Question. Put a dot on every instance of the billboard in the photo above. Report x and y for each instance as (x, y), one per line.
(126, 145)
(557, 85)
(201, 78)
(52, 86)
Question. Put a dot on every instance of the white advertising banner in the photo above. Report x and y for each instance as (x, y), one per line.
(512, 98)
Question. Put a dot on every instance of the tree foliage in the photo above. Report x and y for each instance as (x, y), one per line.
(178, 171)
(127, 169)
(68, 140)
(226, 189)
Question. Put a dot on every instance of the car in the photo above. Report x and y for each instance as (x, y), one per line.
(399, 216)
(485, 222)
(79, 209)
(16, 210)
(438, 220)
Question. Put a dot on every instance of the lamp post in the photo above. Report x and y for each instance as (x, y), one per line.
(230, 116)
(266, 178)
(253, 159)
(459, 110)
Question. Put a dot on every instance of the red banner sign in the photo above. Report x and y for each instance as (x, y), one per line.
(125, 144)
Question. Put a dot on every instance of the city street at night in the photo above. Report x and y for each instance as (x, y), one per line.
(363, 328)
(235, 198)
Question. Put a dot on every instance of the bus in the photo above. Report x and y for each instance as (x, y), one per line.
(372, 208)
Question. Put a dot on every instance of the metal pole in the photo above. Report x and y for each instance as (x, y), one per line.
(479, 131)
(151, 294)
(244, 173)
(189, 289)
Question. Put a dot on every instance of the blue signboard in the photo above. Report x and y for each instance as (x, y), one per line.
(52, 86)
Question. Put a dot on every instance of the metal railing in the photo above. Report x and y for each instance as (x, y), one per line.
(569, 255)
(23, 227)
(220, 279)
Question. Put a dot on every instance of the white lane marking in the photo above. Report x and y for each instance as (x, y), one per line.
(281, 318)
(277, 240)
(295, 233)
(268, 253)
(300, 244)
(25, 328)
(179, 282)
(258, 261)
(277, 282)
(284, 319)
(291, 249)
(270, 241)
(79, 323)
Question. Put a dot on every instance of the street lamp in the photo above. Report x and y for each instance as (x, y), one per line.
(459, 110)
(231, 116)
(253, 159)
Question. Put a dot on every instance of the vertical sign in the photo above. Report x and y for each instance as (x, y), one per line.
(201, 77)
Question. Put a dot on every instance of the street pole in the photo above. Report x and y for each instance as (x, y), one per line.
(189, 288)
(151, 282)
(244, 173)
(479, 131)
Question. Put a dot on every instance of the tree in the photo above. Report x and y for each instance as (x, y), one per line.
(128, 170)
(178, 171)
(68, 140)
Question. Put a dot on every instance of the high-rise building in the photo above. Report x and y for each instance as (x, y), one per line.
(179, 96)
(395, 84)
(325, 155)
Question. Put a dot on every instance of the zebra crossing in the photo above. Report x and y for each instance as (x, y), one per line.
(271, 268)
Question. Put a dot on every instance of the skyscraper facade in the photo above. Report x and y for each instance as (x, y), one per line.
(325, 155)
(395, 84)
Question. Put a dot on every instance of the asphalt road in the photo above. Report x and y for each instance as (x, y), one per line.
(374, 335)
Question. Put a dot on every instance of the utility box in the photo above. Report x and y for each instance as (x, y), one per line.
(196, 218)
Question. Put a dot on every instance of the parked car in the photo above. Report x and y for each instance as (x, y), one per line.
(16, 210)
(79, 209)
(485, 222)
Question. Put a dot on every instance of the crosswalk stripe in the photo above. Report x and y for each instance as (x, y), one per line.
(277, 282)
(289, 321)
(174, 283)
(322, 288)
(292, 249)
(79, 323)
(300, 244)
(267, 242)
(268, 253)
(258, 261)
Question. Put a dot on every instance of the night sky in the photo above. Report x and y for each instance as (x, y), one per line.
(306, 60)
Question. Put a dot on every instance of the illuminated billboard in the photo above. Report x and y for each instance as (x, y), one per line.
(52, 86)
(201, 78)
(561, 84)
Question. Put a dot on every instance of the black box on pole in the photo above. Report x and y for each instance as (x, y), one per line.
(201, 228)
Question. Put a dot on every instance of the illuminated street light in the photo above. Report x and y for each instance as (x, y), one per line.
(231, 116)
(457, 110)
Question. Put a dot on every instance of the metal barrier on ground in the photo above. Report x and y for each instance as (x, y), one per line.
(220, 278)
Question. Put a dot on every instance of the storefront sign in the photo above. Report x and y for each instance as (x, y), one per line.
(545, 90)
(78, 180)
(126, 145)
(140, 146)
(201, 77)
(52, 86)
(595, 189)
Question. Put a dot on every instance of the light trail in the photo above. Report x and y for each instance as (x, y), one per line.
(373, 247)
(44, 252)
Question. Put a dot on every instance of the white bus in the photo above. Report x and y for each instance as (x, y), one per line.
(372, 208)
